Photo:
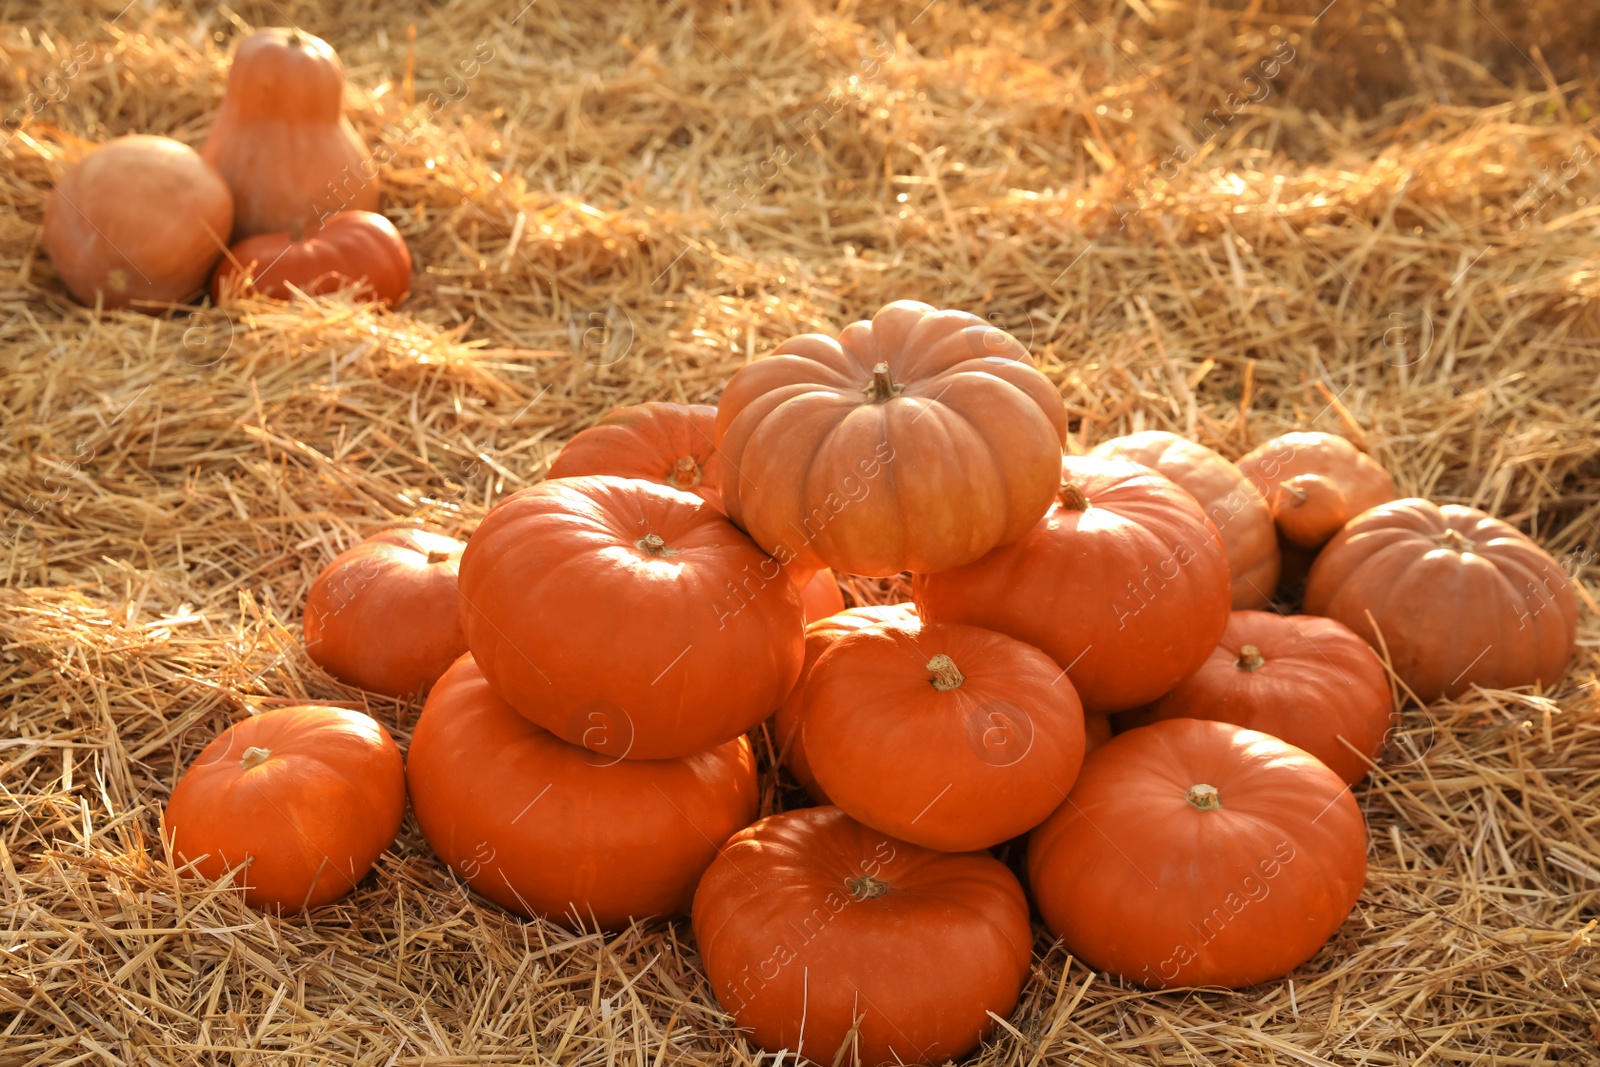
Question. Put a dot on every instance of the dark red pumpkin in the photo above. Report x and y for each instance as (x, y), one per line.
(628, 617)
(359, 248)
(836, 942)
(1123, 582)
(1307, 680)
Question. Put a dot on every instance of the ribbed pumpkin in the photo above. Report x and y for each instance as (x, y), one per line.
(1460, 598)
(384, 614)
(819, 636)
(948, 736)
(1123, 582)
(545, 828)
(1309, 512)
(629, 617)
(834, 941)
(1197, 853)
(657, 441)
(1306, 680)
(353, 248)
(138, 222)
(281, 139)
(310, 796)
(915, 441)
(1229, 499)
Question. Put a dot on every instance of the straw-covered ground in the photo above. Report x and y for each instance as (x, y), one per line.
(1225, 219)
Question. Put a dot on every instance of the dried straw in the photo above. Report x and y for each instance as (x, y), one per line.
(1357, 251)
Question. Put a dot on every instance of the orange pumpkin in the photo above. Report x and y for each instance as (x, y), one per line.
(950, 737)
(1196, 853)
(628, 617)
(1123, 582)
(308, 797)
(1229, 499)
(545, 828)
(819, 636)
(837, 942)
(916, 441)
(1358, 477)
(360, 248)
(137, 222)
(1097, 730)
(659, 442)
(1459, 597)
(820, 596)
(1306, 680)
(281, 140)
(384, 615)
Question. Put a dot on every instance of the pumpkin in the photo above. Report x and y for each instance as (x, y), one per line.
(360, 248)
(139, 221)
(1229, 499)
(629, 617)
(1097, 730)
(1196, 853)
(385, 615)
(1123, 582)
(817, 933)
(948, 736)
(544, 828)
(308, 797)
(1307, 513)
(819, 636)
(281, 139)
(659, 442)
(1460, 598)
(820, 595)
(1305, 680)
(916, 441)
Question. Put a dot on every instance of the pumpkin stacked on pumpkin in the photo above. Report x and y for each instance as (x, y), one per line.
(144, 221)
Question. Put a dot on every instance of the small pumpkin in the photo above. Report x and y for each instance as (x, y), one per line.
(629, 617)
(823, 936)
(281, 139)
(1305, 680)
(915, 441)
(948, 736)
(819, 636)
(544, 828)
(657, 441)
(1196, 853)
(308, 796)
(1308, 513)
(820, 595)
(1097, 730)
(1460, 598)
(1124, 582)
(360, 248)
(384, 615)
(1229, 499)
(139, 221)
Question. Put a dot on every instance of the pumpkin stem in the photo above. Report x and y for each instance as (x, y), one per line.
(685, 473)
(437, 557)
(1204, 797)
(1072, 498)
(865, 888)
(1294, 491)
(653, 545)
(297, 229)
(1250, 658)
(946, 675)
(255, 757)
(883, 387)
(1456, 540)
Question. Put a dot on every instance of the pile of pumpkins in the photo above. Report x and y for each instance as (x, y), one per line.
(1086, 661)
(145, 222)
